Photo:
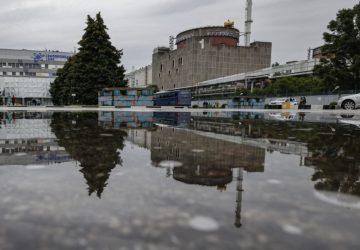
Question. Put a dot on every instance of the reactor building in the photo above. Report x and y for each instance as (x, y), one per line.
(206, 53)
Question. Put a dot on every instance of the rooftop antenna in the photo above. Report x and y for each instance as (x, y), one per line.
(248, 22)
(309, 54)
(171, 42)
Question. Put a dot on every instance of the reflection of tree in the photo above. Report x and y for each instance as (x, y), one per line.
(96, 148)
(336, 159)
(334, 148)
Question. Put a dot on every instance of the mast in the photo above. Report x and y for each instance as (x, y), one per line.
(248, 22)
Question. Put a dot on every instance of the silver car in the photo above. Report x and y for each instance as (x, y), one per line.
(349, 102)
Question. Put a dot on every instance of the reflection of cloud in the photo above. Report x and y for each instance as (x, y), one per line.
(338, 199)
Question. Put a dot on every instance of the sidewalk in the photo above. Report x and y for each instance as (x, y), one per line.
(167, 109)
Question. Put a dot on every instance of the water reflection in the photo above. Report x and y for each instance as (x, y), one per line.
(96, 148)
(211, 147)
(326, 144)
(262, 171)
(26, 139)
(336, 160)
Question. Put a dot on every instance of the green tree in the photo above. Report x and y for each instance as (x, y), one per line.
(97, 65)
(292, 85)
(154, 88)
(342, 47)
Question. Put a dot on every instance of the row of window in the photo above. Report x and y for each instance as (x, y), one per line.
(180, 62)
(27, 74)
(18, 73)
(24, 65)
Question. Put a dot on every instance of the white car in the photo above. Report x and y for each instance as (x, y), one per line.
(349, 102)
(281, 101)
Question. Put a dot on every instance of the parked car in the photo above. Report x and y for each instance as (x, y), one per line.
(349, 102)
(281, 101)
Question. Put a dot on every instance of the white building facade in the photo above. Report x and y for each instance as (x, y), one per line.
(140, 78)
(27, 74)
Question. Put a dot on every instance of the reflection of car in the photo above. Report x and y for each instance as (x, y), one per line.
(349, 120)
(281, 101)
(349, 102)
(285, 116)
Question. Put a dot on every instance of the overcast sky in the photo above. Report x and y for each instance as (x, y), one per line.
(138, 26)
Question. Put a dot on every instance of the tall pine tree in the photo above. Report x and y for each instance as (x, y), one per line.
(97, 65)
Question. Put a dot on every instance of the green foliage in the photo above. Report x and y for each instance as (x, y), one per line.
(342, 45)
(292, 85)
(94, 67)
(242, 91)
(154, 88)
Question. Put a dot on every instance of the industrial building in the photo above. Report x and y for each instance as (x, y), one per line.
(206, 53)
(140, 78)
(27, 74)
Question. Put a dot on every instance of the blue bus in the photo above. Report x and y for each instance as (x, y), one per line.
(173, 98)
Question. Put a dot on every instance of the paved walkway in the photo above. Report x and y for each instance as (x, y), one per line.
(169, 109)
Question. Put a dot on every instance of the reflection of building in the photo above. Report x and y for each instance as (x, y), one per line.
(194, 150)
(140, 137)
(112, 119)
(206, 53)
(176, 119)
(31, 139)
(205, 161)
(27, 74)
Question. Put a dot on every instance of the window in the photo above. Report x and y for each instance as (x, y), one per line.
(161, 67)
(30, 73)
(21, 73)
(173, 63)
(169, 72)
(13, 73)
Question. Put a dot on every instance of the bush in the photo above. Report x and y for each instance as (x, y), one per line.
(292, 85)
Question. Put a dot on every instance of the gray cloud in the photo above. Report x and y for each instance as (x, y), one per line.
(170, 7)
(139, 26)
